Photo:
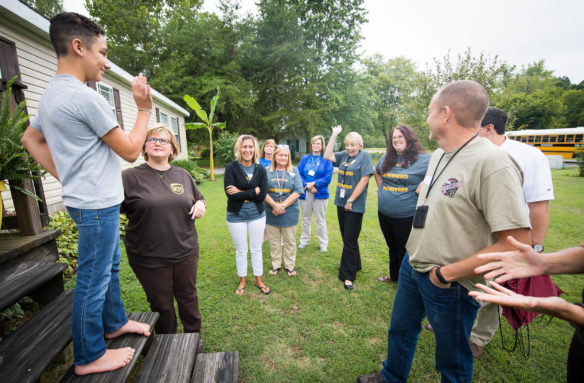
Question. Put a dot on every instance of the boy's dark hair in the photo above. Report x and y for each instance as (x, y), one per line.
(67, 26)
(497, 117)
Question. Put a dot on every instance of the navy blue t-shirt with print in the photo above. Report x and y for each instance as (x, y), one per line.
(396, 196)
(351, 170)
(280, 185)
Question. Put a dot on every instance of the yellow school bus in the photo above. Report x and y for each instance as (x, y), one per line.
(557, 142)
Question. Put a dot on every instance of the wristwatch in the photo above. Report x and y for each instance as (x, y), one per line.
(350, 201)
(537, 247)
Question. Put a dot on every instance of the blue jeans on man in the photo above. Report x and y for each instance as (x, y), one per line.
(97, 305)
(451, 313)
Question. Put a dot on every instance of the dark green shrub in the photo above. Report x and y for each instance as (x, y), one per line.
(223, 146)
(198, 173)
(67, 241)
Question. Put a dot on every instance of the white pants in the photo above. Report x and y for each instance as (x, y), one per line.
(317, 206)
(239, 232)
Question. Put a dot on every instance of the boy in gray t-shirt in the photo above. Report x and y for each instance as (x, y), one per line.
(76, 138)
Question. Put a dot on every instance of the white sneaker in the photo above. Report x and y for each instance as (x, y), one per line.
(302, 245)
(323, 249)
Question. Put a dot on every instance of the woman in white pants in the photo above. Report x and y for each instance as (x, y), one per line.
(316, 173)
(246, 185)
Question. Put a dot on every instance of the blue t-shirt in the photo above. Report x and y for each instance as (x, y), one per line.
(74, 118)
(397, 196)
(280, 185)
(265, 163)
(351, 170)
(249, 210)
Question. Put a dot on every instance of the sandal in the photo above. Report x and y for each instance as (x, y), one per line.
(239, 291)
(386, 279)
(265, 289)
(291, 273)
(274, 271)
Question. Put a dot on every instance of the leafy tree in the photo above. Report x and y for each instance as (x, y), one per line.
(573, 100)
(47, 8)
(392, 86)
(207, 123)
(532, 99)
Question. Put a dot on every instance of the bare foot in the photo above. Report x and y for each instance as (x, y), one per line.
(111, 360)
(131, 327)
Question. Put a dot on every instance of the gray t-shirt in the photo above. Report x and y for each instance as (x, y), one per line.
(397, 193)
(351, 170)
(280, 185)
(73, 118)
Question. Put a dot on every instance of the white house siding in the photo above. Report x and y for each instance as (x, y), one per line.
(38, 64)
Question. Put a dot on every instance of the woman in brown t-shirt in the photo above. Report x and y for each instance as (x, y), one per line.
(161, 202)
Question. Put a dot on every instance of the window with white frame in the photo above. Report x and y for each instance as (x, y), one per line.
(172, 123)
(108, 93)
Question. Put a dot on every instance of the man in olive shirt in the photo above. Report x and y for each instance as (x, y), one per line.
(459, 215)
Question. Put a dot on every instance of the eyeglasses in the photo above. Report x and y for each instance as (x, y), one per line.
(161, 141)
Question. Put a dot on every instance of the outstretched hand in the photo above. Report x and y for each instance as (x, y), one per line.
(523, 262)
(337, 130)
(505, 297)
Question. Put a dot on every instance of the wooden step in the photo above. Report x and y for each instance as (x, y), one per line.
(170, 359)
(137, 342)
(217, 367)
(25, 278)
(26, 353)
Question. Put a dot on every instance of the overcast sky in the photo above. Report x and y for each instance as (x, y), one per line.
(519, 31)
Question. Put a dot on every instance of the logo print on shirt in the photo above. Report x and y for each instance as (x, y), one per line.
(450, 187)
(177, 188)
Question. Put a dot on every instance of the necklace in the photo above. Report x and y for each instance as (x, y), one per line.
(156, 171)
(280, 182)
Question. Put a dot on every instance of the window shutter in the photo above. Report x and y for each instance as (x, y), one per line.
(118, 108)
(157, 115)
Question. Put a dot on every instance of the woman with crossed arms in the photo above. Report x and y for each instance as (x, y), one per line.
(282, 210)
(246, 185)
(355, 169)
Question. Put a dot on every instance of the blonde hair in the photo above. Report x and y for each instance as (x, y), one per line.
(239, 142)
(354, 138)
(321, 138)
(161, 128)
(282, 148)
(268, 142)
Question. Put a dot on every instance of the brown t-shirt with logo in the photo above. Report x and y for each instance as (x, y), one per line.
(160, 231)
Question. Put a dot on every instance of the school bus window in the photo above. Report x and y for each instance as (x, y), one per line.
(537, 138)
(561, 138)
(570, 138)
(553, 139)
(546, 139)
(578, 137)
(531, 139)
(523, 139)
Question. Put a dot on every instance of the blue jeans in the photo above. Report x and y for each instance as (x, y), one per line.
(97, 306)
(451, 313)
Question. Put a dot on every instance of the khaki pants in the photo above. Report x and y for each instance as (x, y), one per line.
(487, 323)
(317, 207)
(287, 235)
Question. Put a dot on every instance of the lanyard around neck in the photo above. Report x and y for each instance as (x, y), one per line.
(434, 176)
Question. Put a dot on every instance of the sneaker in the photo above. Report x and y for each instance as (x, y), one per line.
(371, 378)
(302, 245)
(323, 249)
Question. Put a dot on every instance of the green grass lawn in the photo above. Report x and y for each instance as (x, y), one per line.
(312, 330)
